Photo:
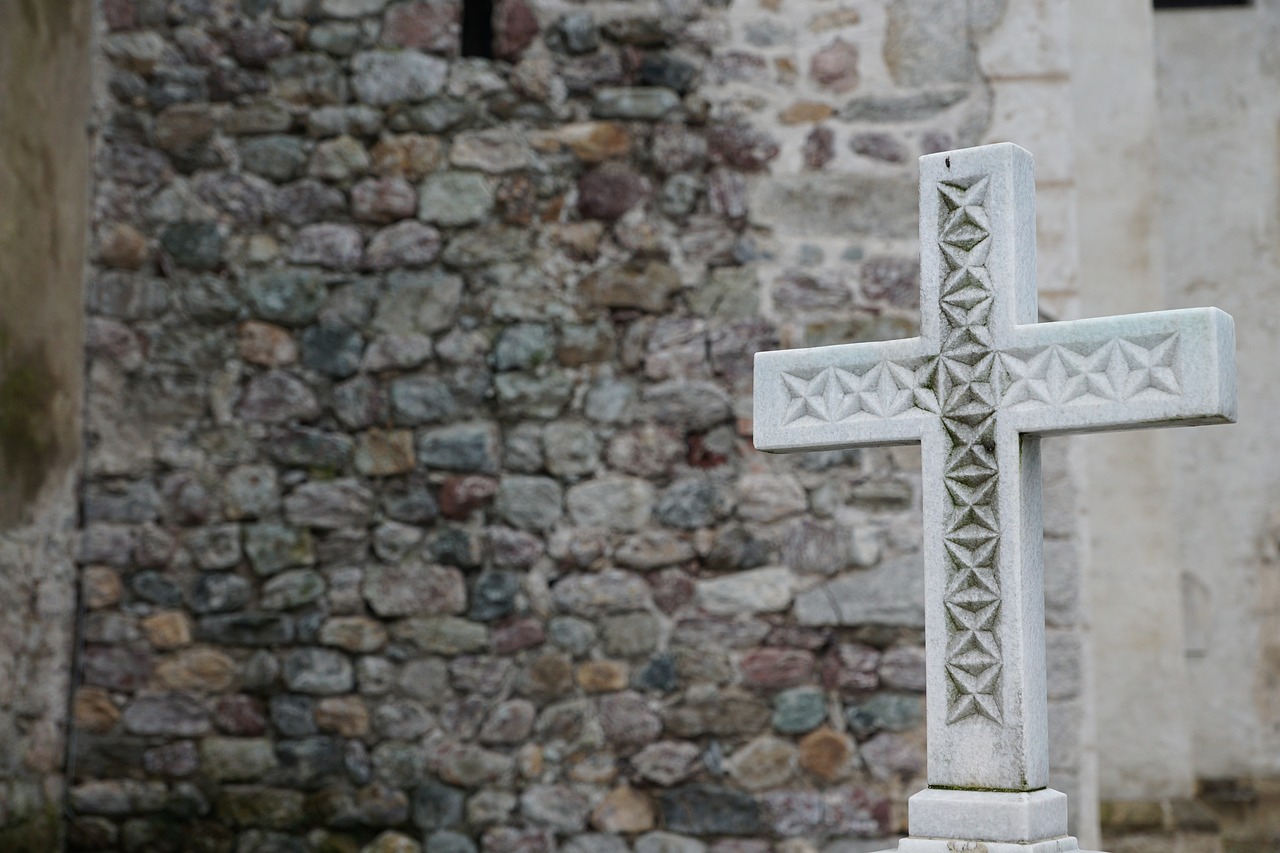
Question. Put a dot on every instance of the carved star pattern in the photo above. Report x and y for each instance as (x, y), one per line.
(968, 394)
(1115, 370)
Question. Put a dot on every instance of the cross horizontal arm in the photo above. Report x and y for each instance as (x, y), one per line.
(852, 395)
(1165, 368)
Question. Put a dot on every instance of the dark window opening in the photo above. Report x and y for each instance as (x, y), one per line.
(1199, 4)
(477, 28)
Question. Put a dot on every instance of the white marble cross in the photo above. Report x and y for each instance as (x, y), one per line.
(977, 389)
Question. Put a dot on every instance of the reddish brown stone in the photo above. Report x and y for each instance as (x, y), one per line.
(254, 47)
(776, 668)
(836, 66)
(516, 635)
(434, 27)
(879, 146)
(610, 190)
(893, 280)
(239, 715)
(119, 15)
(266, 344)
(742, 146)
(515, 27)
(461, 496)
(383, 200)
(819, 147)
(851, 669)
(672, 589)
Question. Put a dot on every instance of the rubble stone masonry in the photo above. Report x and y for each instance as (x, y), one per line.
(419, 499)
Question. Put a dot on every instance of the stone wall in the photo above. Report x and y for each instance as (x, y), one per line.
(419, 487)
(44, 186)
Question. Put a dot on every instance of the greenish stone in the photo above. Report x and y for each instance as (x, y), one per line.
(455, 198)
(275, 156)
(893, 712)
(194, 245)
(799, 710)
(523, 346)
(292, 589)
(289, 296)
(272, 546)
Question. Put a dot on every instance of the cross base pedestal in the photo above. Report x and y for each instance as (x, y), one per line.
(949, 821)
(1066, 844)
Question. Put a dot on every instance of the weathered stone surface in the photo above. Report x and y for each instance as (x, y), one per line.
(890, 755)
(610, 190)
(902, 667)
(428, 26)
(329, 245)
(461, 447)
(666, 762)
(708, 810)
(766, 762)
(272, 547)
(495, 151)
(889, 594)
(616, 503)
(893, 712)
(850, 668)
(173, 714)
(278, 397)
(610, 591)
(776, 668)
(382, 453)
(644, 103)
(455, 198)
(624, 810)
(382, 78)
(327, 505)
(928, 46)
(405, 244)
(318, 671)
(246, 629)
(445, 635)
(558, 806)
(799, 710)
(826, 754)
(236, 759)
(532, 503)
(820, 205)
(414, 587)
(628, 721)
(754, 591)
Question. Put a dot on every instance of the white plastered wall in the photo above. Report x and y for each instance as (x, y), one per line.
(1219, 100)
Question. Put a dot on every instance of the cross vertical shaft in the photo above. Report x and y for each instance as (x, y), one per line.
(977, 229)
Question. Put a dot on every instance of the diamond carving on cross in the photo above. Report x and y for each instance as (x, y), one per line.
(977, 389)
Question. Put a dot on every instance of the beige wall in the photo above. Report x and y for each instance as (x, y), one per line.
(1219, 97)
(44, 96)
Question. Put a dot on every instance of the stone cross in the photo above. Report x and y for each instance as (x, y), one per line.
(977, 389)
